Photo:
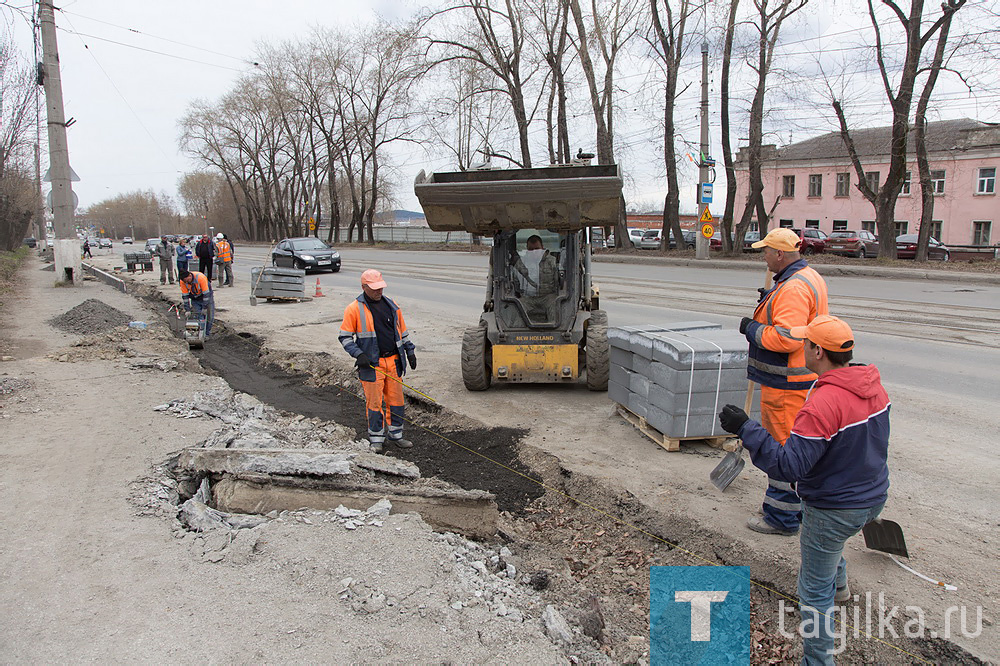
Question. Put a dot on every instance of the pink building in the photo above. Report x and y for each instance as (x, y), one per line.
(818, 185)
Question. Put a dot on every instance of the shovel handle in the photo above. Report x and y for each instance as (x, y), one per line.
(749, 401)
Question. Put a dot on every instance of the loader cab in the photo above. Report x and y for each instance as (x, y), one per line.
(535, 290)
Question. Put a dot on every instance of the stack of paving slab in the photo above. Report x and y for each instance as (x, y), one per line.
(679, 376)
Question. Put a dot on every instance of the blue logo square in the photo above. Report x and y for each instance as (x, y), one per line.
(699, 615)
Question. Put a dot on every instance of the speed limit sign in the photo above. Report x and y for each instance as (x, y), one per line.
(707, 230)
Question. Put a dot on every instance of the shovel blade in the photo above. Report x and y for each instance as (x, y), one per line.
(885, 536)
(728, 469)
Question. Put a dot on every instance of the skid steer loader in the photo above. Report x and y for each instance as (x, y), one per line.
(541, 320)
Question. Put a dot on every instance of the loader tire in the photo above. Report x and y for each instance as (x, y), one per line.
(598, 318)
(598, 355)
(476, 372)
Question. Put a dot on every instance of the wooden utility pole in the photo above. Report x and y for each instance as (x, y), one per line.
(66, 245)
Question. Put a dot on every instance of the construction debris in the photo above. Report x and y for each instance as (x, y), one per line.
(91, 316)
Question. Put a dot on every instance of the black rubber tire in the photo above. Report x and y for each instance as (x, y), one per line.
(476, 372)
(335, 270)
(862, 253)
(946, 257)
(274, 262)
(598, 357)
(298, 264)
(807, 250)
(598, 318)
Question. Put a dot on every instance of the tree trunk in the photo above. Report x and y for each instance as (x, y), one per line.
(727, 146)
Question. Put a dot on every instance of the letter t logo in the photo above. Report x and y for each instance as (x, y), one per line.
(701, 610)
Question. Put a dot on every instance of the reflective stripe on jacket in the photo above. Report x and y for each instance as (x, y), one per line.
(199, 286)
(357, 335)
(776, 358)
(224, 251)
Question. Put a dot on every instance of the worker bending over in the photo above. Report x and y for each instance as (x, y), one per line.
(198, 297)
(374, 333)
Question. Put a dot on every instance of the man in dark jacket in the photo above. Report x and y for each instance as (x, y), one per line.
(836, 455)
(205, 251)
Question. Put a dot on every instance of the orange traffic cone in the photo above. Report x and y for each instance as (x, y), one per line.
(319, 292)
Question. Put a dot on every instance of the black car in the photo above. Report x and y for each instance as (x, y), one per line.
(30, 242)
(307, 253)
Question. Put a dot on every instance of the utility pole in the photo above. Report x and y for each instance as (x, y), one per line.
(66, 246)
(705, 164)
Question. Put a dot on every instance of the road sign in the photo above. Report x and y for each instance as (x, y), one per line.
(707, 230)
(706, 216)
(312, 224)
(706, 193)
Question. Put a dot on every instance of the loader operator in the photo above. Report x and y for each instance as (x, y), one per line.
(374, 333)
(837, 452)
(538, 274)
(777, 362)
(198, 297)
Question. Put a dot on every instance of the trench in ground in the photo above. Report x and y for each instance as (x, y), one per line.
(547, 528)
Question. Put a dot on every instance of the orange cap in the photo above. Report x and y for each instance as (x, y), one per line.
(782, 239)
(828, 332)
(373, 279)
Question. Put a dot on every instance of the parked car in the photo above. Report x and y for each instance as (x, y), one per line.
(305, 253)
(635, 235)
(50, 242)
(906, 248)
(650, 239)
(127, 240)
(690, 238)
(30, 241)
(813, 242)
(151, 244)
(749, 239)
(104, 243)
(859, 244)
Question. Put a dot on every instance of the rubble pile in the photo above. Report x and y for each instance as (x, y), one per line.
(153, 347)
(9, 385)
(91, 316)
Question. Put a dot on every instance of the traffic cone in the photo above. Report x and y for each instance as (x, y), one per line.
(319, 292)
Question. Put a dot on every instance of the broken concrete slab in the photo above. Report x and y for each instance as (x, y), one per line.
(472, 513)
(387, 465)
(294, 462)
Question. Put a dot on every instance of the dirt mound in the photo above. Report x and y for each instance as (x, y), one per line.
(91, 316)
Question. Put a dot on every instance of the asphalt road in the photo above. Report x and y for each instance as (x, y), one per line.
(920, 333)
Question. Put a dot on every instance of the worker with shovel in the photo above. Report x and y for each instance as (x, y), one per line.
(374, 333)
(776, 361)
(836, 454)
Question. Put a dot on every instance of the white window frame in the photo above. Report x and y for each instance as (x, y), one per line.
(905, 189)
(902, 227)
(870, 227)
(986, 184)
(843, 184)
(840, 225)
(936, 225)
(782, 224)
(989, 232)
(788, 185)
(815, 185)
(812, 224)
(873, 175)
(938, 184)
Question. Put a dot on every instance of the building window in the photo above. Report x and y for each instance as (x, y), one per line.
(844, 184)
(788, 186)
(869, 226)
(937, 182)
(816, 185)
(906, 184)
(871, 177)
(840, 225)
(936, 229)
(786, 224)
(812, 224)
(981, 233)
(987, 181)
(901, 228)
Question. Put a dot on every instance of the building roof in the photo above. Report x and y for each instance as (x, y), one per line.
(942, 136)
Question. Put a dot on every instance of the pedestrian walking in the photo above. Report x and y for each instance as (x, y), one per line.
(836, 454)
(86, 249)
(205, 251)
(374, 333)
(198, 297)
(224, 258)
(165, 253)
(777, 362)
(183, 256)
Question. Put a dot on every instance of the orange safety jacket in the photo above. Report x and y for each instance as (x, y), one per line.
(199, 286)
(357, 335)
(224, 251)
(778, 360)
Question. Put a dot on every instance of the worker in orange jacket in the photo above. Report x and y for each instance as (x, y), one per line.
(374, 333)
(224, 257)
(198, 297)
(777, 362)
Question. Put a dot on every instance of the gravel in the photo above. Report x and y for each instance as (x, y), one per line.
(91, 316)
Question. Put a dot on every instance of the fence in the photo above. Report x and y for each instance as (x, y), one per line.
(418, 235)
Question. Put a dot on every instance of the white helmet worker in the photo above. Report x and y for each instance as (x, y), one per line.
(219, 236)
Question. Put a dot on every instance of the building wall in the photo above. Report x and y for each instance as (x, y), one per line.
(957, 208)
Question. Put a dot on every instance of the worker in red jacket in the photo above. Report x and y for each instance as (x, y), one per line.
(837, 456)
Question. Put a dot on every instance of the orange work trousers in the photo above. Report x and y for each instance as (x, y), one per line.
(778, 408)
(384, 402)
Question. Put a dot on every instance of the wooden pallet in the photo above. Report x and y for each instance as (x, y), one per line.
(725, 442)
(287, 299)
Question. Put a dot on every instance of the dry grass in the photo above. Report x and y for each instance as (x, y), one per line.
(10, 263)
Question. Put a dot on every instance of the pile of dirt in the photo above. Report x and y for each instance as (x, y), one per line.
(91, 316)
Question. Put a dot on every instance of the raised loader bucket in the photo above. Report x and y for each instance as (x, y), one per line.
(487, 201)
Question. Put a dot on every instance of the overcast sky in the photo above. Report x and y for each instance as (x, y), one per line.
(127, 97)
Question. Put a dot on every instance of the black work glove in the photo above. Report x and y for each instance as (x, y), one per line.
(763, 292)
(732, 418)
(744, 323)
(412, 358)
(363, 361)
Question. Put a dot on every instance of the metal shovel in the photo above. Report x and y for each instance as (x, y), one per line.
(885, 536)
(732, 463)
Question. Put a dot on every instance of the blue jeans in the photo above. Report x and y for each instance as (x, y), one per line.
(205, 310)
(823, 570)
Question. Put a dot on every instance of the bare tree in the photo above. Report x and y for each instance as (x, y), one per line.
(883, 197)
(18, 196)
(727, 143)
(552, 17)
